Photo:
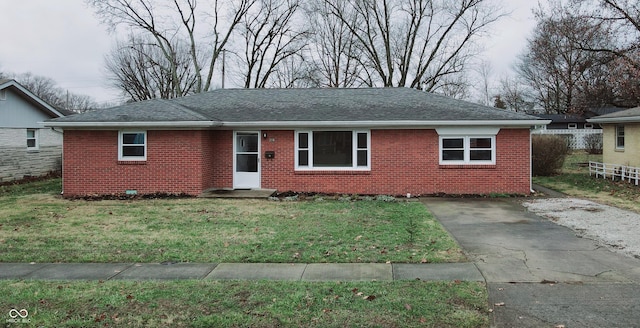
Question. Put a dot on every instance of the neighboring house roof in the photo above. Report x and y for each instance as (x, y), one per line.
(330, 107)
(591, 112)
(30, 97)
(562, 118)
(631, 115)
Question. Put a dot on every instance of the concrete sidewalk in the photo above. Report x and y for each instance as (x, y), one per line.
(241, 271)
(540, 274)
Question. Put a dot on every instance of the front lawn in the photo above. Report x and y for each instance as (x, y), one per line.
(575, 181)
(36, 225)
(246, 304)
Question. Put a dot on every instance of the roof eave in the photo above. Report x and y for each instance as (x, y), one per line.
(382, 124)
(159, 124)
(626, 119)
(296, 124)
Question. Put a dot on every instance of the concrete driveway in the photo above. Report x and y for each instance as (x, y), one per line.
(540, 274)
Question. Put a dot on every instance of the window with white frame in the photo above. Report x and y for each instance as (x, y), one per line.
(467, 149)
(32, 139)
(588, 126)
(334, 150)
(3, 94)
(573, 126)
(620, 136)
(132, 145)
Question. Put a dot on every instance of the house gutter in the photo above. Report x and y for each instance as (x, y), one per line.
(381, 124)
(626, 119)
(297, 124)
(160, 124)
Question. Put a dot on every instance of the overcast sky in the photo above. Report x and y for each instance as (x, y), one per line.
(63, 40)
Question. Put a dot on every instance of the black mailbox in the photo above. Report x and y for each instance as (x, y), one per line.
(270, 154)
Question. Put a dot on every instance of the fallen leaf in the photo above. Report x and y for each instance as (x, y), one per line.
(424, 261)
(559, 326)
(457, 281)
(369, 298)
(408, 307)
(358, 238)
(499, 304)
(359, 293)
(129, 297)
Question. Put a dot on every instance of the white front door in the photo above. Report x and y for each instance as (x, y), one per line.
(246, 160)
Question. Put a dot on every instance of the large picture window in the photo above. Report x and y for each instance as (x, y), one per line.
(467, 150)
(332, 150)
(619, 136)
(132, 146)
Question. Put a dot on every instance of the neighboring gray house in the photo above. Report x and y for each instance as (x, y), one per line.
(26, 148)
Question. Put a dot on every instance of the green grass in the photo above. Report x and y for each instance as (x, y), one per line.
(247, 304)
(575, 181)
(36, 225)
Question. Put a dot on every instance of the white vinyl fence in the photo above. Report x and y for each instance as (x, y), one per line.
(614, 172)
(575, 138)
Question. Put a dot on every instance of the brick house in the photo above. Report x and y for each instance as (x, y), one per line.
(27, 149)
(354, 141)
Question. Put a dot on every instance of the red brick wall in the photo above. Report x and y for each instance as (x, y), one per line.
(402, 161)
(176, 163)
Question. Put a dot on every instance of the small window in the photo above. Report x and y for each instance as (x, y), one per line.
(32, 139)
(3, 94)
(619, 136)
(132, 146)
(573, 126)
(588, 126)
(332, 150)
(467, 150)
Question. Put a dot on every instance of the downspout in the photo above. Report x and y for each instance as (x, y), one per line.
(531, 161)
(61, 161)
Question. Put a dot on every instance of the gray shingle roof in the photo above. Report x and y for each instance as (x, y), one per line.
(309, 105)
(629, 115)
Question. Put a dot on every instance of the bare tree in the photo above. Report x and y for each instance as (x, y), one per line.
(139, 68)
(484, 70)
(334, 50)
(157, 19)
(48, 90)
(514, 95)
(415, 43)
(621, 18)
(554, 65)
(269, 36)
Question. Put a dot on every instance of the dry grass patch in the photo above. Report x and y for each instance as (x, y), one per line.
(47, 228)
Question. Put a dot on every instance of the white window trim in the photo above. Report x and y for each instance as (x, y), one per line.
(618, 147)
(354, 149)
(588, 126)
(36, 136)
(131, 158)
(467, 150)
(572, 126)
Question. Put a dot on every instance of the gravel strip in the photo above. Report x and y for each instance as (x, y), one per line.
(616, 228)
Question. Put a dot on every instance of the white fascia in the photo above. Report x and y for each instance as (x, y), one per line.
(627, 119)
(382, 124)
(119, 125)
